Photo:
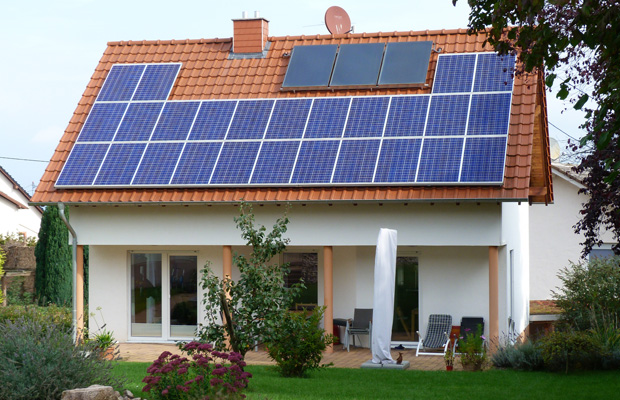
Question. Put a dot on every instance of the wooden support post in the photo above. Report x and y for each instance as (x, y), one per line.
(328, 287)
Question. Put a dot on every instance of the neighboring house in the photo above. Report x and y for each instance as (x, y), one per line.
(554, 245)
(16, 216)
(446, 150)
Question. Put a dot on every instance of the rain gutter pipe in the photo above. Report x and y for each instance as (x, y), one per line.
(61, 210)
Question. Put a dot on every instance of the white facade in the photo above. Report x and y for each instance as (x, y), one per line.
(553, 241)
(451, 243)
(16, 216)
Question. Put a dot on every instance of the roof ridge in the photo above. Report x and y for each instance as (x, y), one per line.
(169, 41)
(373, 34)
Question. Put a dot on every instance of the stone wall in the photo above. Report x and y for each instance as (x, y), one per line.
(20, 257)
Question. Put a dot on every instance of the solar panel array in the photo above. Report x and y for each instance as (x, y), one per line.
(359, 64)
(455, 135)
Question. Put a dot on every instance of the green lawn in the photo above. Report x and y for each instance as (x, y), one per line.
(341, 383)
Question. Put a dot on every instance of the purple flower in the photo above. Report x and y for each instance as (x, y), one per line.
(215, 381)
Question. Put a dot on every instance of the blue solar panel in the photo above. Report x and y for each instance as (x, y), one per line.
(398, 160)
(489, 114)
(121, 82)
(250, 119)
(120, 164)
(156, 82)
(328, 117)
(235, 163)
(367, 117)
(275, 162)
(289, 119)
(158, 164)
(440, 160)
(454, 73)
(82, 165)
(315, 162)
(407, 116)
(484, 159)
(139, 121)
(447, 115)
(175, 121)
(102, 122)
(356, 161)
(494, 73)
(196, 163)
(212, 120)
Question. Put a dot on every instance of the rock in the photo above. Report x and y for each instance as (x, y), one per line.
(94, 392)
(127, 394)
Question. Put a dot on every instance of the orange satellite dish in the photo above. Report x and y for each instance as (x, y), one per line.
(337, 20)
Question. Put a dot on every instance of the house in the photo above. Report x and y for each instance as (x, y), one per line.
(554, 245)
(423, 132)
(17, 218)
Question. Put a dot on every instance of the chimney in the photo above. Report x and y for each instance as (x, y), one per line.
(250, 34)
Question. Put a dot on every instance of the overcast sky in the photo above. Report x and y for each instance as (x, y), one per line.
(50, 48)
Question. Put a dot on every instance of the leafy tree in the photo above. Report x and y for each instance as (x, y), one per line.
(577, 41)
(53, 277)
(254, 306)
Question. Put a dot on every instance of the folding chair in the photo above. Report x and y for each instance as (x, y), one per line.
(437, 337)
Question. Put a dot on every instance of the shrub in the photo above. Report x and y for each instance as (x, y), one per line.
(472, 347)
(50, 315)
(570, 350)
(15, 293)
(39, 361)
(524, 356)
(607, 339)
(202, 377)
(300, 344)
(589, 295)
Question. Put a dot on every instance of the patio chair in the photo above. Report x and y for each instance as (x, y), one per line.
(437, 337)
(360, 325)
(469, 325)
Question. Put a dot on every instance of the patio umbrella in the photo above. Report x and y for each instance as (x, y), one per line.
(383, 308)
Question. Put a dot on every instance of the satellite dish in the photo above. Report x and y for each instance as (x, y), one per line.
(554, 149)
(337, 20)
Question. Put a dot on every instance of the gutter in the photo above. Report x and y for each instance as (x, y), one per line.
(61, 210)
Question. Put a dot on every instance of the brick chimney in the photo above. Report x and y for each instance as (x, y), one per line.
(250, 34)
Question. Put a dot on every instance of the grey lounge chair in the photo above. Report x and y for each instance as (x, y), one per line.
(361, 325)
(437, 337)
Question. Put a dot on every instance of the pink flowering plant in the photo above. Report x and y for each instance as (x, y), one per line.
(472, 347)
(203, 374)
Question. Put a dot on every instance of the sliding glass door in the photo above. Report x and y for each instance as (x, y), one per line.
(406, 300)
(164, 295)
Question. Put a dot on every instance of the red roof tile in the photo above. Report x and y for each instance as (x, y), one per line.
(208, 73)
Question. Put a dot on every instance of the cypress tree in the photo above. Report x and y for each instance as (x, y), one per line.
(54, 265)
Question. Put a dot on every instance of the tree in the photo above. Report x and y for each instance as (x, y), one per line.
(53, 277)
(577, 41)
(254, 306)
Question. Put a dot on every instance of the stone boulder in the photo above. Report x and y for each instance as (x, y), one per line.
(94, 392)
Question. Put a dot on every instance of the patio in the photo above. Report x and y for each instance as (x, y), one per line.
(147, 352)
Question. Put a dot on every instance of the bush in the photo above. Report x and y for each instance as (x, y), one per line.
(39, 361)
(176, 377)
(300, 344)
(524, 356)
(570, 350)
(16, 295)
(607, 339)
(589, 295)
(49, 315)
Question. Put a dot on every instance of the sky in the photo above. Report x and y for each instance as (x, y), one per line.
(49, 50)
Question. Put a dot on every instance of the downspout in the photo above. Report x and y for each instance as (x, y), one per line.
(61, 210)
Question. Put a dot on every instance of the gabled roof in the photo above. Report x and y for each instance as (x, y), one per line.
(211, 71)
(17, 187)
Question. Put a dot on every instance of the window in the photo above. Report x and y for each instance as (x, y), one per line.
(303, 266)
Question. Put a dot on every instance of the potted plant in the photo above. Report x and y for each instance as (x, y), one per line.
(473, 351)
(449, 359)
(105, 344)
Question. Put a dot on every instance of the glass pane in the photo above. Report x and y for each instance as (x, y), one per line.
(146, 295)
(303, 266)
(183, 296)
(406, 300)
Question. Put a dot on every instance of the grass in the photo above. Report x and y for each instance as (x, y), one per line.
(352, 384)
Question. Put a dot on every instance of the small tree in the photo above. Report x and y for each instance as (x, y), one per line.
(589, 297)
(53, 254)
(253, 307)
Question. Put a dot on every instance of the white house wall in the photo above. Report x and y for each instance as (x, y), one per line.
(553, 241)
(515, 235)
(311, 225)
(14, 220)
